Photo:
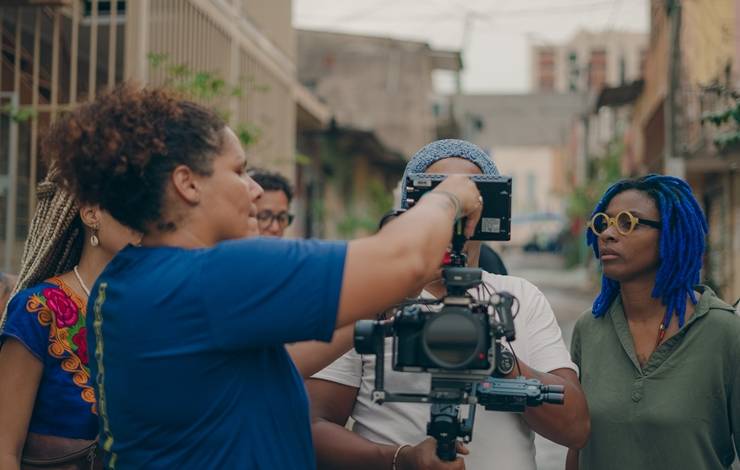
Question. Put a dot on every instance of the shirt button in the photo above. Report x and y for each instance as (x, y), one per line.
(636, 396)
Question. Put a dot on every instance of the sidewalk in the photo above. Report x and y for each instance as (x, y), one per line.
(579, 278)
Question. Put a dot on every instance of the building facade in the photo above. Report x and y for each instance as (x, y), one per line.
(526, 135)
(384, 108)
(376, 83)
(588, 62)
(58, 54)
(707, 63)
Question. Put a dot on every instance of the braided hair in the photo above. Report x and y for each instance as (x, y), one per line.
(55, 239)
(684, 231)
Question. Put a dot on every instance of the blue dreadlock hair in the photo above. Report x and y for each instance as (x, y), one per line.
(681, 245)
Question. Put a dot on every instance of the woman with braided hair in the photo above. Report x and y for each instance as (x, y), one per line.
(48, 416)
(659, 354)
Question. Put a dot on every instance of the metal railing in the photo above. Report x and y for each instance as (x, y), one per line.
(59, 55)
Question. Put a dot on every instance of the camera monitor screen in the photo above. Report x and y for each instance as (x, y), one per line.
(495, 223)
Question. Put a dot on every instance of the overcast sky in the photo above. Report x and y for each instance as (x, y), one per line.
(499, 32)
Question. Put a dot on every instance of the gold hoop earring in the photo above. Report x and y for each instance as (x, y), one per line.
(94, 240)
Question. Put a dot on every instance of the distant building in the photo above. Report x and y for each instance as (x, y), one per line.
(588, 62)
(526, 136)
(376, 84)
(380, 93)
(57, 54)
(348, 180)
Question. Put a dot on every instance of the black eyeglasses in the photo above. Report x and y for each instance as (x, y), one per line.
(266, 217)
(625, 223)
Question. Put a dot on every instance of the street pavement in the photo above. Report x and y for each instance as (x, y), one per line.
(570, 293)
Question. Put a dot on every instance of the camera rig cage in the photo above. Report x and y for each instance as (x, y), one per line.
(460, 345)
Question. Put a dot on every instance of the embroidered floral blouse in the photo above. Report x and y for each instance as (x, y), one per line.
(49, 320)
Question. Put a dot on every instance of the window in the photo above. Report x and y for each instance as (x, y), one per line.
(546, 68)
(573, 71)
(104, 7)
(597, 70)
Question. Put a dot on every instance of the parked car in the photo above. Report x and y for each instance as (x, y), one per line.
(543, 243)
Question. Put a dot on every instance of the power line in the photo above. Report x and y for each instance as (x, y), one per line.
(352, 16)
(613, 16)
(482, 15)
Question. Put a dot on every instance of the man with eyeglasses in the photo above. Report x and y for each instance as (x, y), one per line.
(273, 207)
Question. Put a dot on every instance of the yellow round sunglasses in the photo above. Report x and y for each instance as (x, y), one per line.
(625, 222)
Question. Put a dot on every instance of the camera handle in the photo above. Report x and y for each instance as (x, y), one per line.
(446, 426)
(457, 257)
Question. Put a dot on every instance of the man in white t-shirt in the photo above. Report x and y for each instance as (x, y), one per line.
(381, 433)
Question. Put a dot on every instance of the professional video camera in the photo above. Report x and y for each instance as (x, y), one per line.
(458, 338)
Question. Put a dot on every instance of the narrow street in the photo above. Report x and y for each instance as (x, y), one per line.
(569, 295)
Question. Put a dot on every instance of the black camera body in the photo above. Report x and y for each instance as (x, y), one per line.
(458, 337)
(433, 342)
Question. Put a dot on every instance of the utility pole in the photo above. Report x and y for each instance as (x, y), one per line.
(673, 164)
(467, 33)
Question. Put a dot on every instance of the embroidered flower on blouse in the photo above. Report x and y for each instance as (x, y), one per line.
(80, 340)
(64, 308)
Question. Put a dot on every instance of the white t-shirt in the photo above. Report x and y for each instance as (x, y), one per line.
(500, 440)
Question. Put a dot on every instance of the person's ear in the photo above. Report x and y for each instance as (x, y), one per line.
(91, 218)
(90, 215)
(186, 184)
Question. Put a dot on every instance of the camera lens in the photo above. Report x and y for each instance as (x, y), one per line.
(453, 338)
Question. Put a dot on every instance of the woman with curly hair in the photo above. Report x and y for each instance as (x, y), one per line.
(48, 416)
(659, 354)
(187, 331)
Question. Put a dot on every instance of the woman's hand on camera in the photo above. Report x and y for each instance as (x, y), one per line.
(468, 196)
(423, 456)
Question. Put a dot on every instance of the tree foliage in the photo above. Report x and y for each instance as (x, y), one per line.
(726, 120)
(603, 171)
(19, 114)
(379, 201)
(209, 87)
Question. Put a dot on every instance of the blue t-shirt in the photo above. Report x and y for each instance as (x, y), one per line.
(189, 365)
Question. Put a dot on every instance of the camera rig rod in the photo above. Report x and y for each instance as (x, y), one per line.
(515, 395)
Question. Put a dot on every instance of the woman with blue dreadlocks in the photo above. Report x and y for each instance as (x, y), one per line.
(659, 354)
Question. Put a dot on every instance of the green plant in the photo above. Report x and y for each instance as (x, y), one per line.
(209, 87)
(19, 114)
(727, 119)
(603, 171)
(379, 201)
(352, 223)
(302, 159)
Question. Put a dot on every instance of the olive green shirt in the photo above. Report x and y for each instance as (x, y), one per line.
(681, 411)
